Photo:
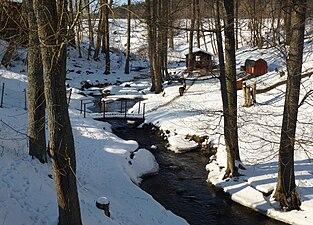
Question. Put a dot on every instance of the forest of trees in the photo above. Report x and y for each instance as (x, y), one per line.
(53, 25)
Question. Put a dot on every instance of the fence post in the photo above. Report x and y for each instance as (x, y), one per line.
(81, 106)
(254, 92)
(125, 107)
(84, 110)
(25, 99)
(69, 96)
(143, 110)
(139, 108)
(103, 106)
(2, 93)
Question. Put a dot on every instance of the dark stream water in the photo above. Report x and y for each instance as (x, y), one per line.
(181, 186)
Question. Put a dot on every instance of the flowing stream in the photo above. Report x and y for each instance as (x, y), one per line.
(181, 186)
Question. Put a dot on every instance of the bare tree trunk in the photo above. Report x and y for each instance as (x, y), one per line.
(78, 9)
(158, 77)
(151, 41)
(99, 32)
(36, 97)
(286, 193)
(71, 21)
(165, 37)
(171, 23)
(128, 37)
(211, 35)
(287, 20)
(203, 36)
(232, 147)
(278, 27)
(106, 37)
(192, 26)
(254, 24)
(237, 23)
(153, 35)
(61, 142)
(273, 27)
(198, 21)
(90, 28)
(259, 32)
(163, 33)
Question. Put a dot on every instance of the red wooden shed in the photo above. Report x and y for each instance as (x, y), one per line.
(256, 68)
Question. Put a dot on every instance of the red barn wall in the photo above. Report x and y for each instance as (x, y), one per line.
(260, 67)
(257, 68)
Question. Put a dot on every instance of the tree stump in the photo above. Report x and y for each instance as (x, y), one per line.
(246, 95)
(253, 92)
(103, 203)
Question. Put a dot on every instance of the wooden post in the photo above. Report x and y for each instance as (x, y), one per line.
(139, 107)
(69, 96)
(254, 92)
(103, 106)
(81, 106)
(125, 107)
(25, 99)
(246, 95)
(84, 110)
(2, 94)
(143, 110)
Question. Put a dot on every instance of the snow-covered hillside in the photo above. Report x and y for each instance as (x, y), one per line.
(104, 165)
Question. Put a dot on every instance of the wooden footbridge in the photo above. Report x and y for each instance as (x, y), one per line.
(122, 113)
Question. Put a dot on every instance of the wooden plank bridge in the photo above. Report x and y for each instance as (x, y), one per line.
(109, 116)
(121, 114)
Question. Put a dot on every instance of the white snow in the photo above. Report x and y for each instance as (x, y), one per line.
(111, 167)
(103, 200)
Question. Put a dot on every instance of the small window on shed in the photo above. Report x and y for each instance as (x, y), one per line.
(198, 58)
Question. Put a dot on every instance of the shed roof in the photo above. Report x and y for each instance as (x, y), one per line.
(251, 62)
(196, 49)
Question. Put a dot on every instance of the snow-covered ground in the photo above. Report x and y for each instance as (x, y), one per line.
(105, 167)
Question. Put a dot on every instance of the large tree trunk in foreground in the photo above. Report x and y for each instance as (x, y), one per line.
(286, 193)
(61, 143)
(232, 147)
(36, 97)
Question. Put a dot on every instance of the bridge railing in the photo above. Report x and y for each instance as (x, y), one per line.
(123, 114)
